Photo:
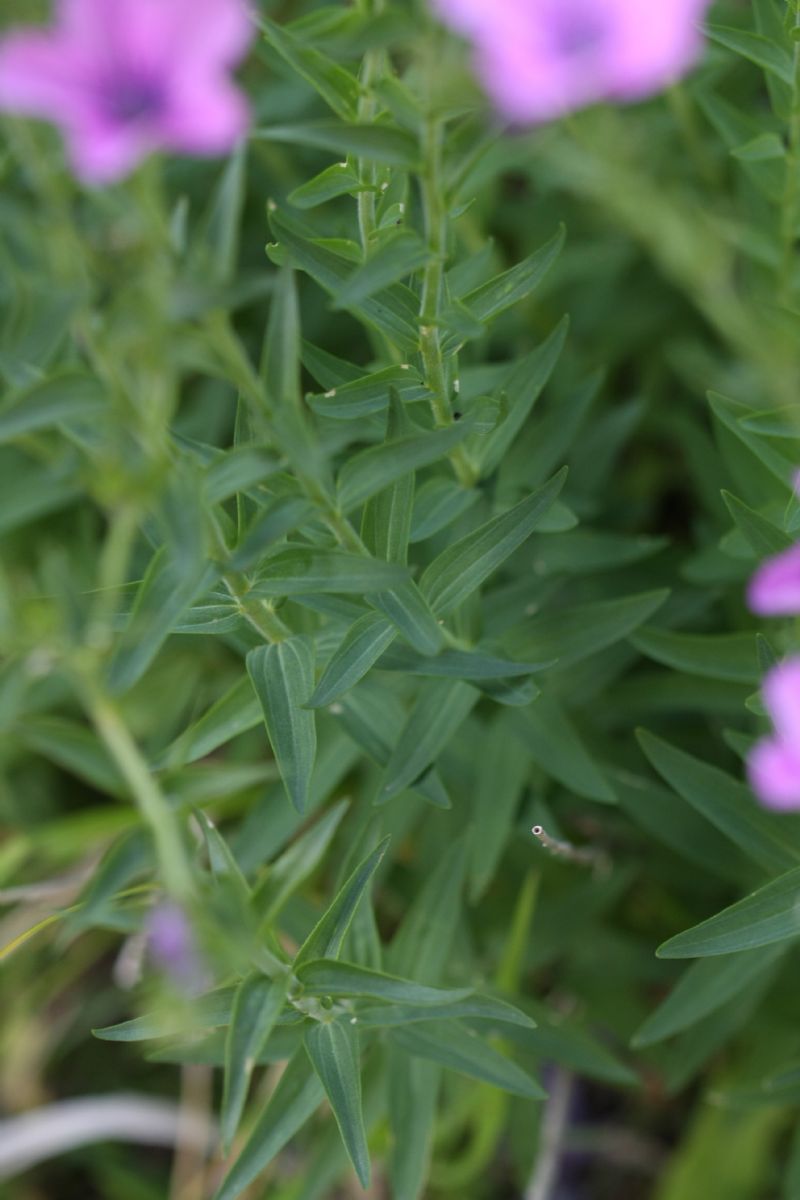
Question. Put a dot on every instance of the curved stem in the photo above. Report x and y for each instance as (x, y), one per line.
(170, 849)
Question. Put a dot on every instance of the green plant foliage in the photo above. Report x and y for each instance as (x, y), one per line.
(366, 501)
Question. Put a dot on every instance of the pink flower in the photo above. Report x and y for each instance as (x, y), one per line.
(172, 947)
(774, 763)
(126, 77)
(774, 590)
(541, 58)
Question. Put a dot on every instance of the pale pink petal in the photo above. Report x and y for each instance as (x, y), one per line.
(775, 588)
(126, 77)
(656, 44)
(781, 692)
(206, 116)
(214, 32)
(208, 33)
(774, 771)
(538, 60)
(37, 77)
(101, 152)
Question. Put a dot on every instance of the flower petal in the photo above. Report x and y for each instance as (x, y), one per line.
(781, 691)
(774, 770)
(172, 33)
(654, 44)
(102, 152)
(204, 116)
(775, 588)
(538, 60)
(38, 77)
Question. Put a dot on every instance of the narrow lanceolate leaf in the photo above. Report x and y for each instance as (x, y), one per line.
(474, 1008)
(372, 470)
(358, 650)
(64, 397)
(762, 535)
(569, 634)
(327, 936)
(554, 742)
(367, 394)
(503, 765)
(573, 1048)
(337, 180)
(236, 711)
(410, 613)
(394, 312)
(207, 1012)
(296, 863)
(333, 1050)
(337, 87)
(283, 677)
(422, 944)
(413, 1096)
(455, 664)
(256, 1008)
(166, 592)
(494, 297)
(386, 519)
(373, 731)
(771, 914)
(329, 977)
(718, 655)
(398, 255)
(458, 1047)
(302, 571)
(437, 714)
(283, 515)
(382, 143)
(706, 986)
(463, 567)
(223, 864)
(759, 50)
(522, 390)
(438, 503)
(298, 1094)
(728, 804)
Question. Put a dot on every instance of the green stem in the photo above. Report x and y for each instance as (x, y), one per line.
(791, 190)
(430, 316)
(258, 613)
(151, 801)
(370, 70)
(112, 574)
(433, 279)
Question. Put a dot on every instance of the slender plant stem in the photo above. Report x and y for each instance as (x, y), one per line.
(112, 574)
(433, 279)
(370, 70)
(430, 317)
(151, 801)
(257, 611)
(791, 191)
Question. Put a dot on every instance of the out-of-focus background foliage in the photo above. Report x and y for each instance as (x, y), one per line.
(133, 328)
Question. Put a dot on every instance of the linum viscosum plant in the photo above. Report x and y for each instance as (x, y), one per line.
(330, 572)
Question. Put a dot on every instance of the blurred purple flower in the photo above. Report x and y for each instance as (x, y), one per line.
(172, 947)
(774, 763)
(774, 590)
(126, 77)
(539, 59)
